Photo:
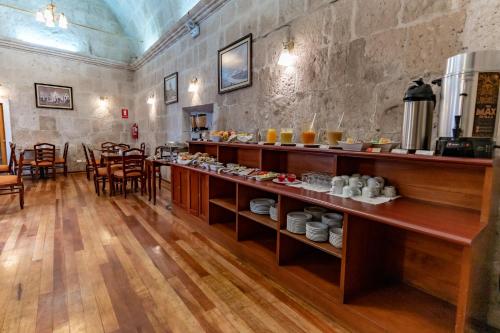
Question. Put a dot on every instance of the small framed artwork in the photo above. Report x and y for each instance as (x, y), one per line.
(171, 88)
(50, 96)
(235, 65)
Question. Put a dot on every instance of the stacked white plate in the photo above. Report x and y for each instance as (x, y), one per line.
(261, 205)
(273, 213)
(296, 222)
(336, 237)
(333, 220)
(315, 211)
(317, 231)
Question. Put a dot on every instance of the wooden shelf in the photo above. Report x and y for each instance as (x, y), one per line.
(453, 224)
(227, 203)
(409, 157)
(318, 270)
(262, 219)
(227, 228)
(325, 247)
(401, 308)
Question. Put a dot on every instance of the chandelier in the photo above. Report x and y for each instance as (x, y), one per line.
(50, 17)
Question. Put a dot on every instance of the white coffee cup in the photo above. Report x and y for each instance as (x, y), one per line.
(390, 191)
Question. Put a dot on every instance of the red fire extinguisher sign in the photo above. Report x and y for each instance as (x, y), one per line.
(125, 113)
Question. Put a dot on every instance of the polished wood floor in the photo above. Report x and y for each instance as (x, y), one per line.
(74, 262)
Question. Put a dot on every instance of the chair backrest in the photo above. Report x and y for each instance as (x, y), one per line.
(86, 153)
(65, 153)
(133, 161)
(107, 145)
(92, 159)
(45, 152)
(143, 146)
(162, 150)
(20, 168)
(12, 159)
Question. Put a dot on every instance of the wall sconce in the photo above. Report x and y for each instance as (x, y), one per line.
(103, 101)
(151, 99)
(193, 85)
(287, 59)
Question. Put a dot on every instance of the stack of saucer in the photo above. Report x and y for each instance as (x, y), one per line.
(261, 205)
(336, 237)
(333, 220)
(317, 231)
(315, 211)
(273, 213)
(296, 222)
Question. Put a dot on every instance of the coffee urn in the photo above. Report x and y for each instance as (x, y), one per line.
(419, 103)
(468, 121)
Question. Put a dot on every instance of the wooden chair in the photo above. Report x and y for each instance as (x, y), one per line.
(121, 146)
(107, 145)
(61, 162)
(89, 167)
(45, 157)
(9, 168)
(159, 151)
(13, 184)
(132, 170)
(100, 173)
(143, 146)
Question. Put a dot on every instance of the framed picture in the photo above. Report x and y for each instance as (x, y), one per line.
(49, 96)
(171, 88)
(235, 65)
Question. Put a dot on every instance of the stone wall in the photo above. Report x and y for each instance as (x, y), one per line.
(88, 122)
(355, 57)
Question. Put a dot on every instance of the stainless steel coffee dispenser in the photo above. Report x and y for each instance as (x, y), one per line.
(419, 103)
(468, 121)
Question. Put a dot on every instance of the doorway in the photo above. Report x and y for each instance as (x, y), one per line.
(3, 140)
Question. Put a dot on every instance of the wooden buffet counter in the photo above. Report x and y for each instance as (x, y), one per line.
(411, 265)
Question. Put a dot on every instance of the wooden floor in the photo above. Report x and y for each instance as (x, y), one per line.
(74, 262)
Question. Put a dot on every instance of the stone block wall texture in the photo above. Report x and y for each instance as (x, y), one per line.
(355, 57)
(88, 122)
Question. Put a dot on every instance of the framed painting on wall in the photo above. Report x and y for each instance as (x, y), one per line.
(171, 88)
(235, 65)
(50, 96)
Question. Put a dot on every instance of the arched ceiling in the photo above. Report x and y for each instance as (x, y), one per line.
(114, 29)
(147, 20)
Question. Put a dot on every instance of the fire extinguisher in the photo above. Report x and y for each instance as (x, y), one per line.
(135, 132)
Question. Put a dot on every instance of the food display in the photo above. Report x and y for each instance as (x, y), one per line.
(385, 145)
(354, 145)
(265, 175)
(186, 158)
(286, 179)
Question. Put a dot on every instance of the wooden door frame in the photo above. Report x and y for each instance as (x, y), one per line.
(7, 124)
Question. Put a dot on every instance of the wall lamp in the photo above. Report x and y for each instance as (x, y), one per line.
(287, 59)
(151, 99)
(103, 101)
(193, 85)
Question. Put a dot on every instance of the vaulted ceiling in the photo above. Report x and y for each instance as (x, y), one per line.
(114, 29)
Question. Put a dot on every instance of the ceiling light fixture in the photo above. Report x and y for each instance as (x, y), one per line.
(193, 85)
(49, 17)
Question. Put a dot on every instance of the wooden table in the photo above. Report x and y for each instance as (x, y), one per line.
(151, 165)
